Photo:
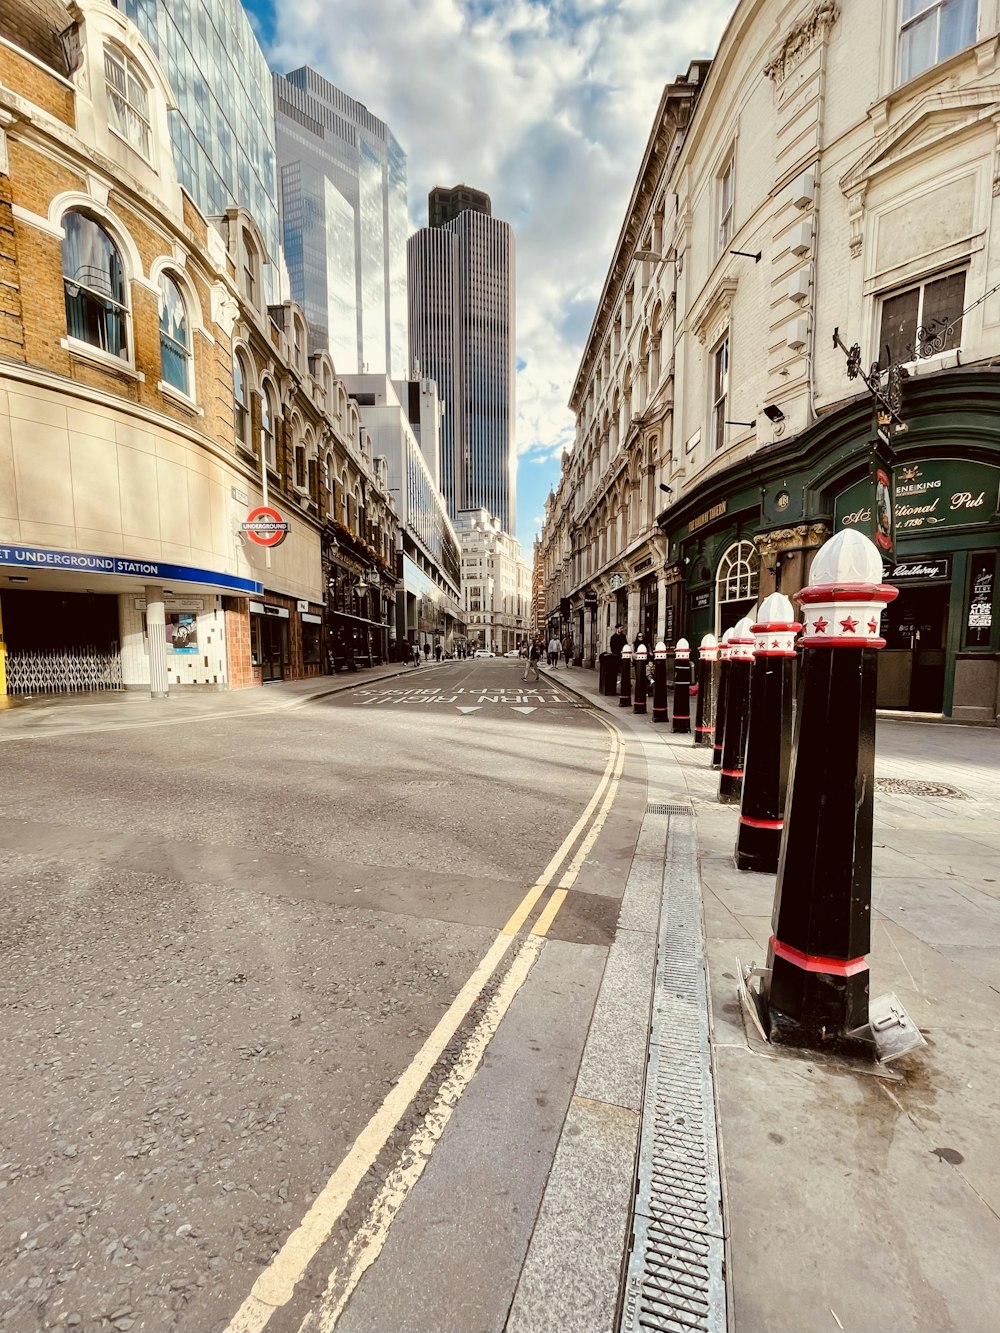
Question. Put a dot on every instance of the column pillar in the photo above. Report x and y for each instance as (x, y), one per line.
(156, 636)
(633, 629)
(661, 608)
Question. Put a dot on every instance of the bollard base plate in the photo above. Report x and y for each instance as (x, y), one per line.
(889, 1035)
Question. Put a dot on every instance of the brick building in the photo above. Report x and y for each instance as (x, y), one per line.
(174, 464)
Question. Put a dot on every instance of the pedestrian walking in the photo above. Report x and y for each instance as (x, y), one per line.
(437, 652)
(618, 642)
(555, 648)
(568, 649)
(416, 654)
(534, 654)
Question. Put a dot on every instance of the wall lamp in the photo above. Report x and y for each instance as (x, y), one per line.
(653, 258)
(749, 424)
(668, 489)
(774, 413)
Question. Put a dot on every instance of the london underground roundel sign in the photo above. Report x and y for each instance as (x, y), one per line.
(265, 526)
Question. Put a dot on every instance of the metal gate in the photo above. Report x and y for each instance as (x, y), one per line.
(65, 671)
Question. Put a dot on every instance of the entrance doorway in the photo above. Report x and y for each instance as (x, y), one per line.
(912, 664)
(269, 644)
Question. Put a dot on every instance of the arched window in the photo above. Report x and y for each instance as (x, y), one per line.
(128, 101)
(737, 583)
(175, 336)
(267, 427)
(241, 396)
(94, 282)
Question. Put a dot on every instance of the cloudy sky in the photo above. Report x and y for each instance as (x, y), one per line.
(546, 105)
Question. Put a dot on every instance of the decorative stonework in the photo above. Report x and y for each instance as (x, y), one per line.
(713, 315)
(802, 535)
(802, 38)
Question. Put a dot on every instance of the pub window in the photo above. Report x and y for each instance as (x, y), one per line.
(932, 30)
(922, 320)
(311, 643)
(94, 284)
(267, 428)
(128, 101)
(980, 599)
(251, 269)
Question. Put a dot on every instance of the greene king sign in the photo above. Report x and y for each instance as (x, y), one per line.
(934, 493)
(265, 526)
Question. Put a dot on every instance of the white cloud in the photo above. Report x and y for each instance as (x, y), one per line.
(546, 105)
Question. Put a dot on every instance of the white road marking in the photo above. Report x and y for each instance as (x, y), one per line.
(474, 709)
(518, 709)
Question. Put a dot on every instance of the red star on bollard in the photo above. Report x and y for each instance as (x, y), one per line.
(820, 625)
(848, 625)
(873, 626)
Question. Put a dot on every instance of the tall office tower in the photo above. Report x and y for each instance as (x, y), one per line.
(344, 222)
(223, 127)
(461, 291)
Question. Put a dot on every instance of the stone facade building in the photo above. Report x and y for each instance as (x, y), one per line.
(174, 465)
(833, 171)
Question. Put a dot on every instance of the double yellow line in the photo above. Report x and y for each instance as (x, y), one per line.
(276, 1285)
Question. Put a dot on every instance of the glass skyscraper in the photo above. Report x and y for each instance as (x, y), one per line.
(461, 311)
(344, 222)
(223, 128)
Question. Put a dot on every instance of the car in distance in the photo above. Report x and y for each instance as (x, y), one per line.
(483, 652)
(514, 652)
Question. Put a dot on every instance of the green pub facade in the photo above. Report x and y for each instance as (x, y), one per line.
(933, 509)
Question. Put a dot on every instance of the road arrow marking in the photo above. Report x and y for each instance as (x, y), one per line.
(473, 709)
(515, 709)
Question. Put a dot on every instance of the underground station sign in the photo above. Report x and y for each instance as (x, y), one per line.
(265, 526)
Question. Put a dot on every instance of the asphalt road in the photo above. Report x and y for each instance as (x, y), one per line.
(235, 947)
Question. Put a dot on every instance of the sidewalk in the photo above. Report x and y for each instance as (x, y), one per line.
(60, 714)
(856, 1201)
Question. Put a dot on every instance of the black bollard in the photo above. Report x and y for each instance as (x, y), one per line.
(682, 688)
(769, 737)
(708, 681)
(660, 712)
(625, 697)
(734, 742)
(639, 657)
(816, 989)
(725, 653)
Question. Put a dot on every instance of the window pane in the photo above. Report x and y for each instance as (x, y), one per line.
(958, 26)
(173, 316)
(899, 327)
(943, 303)
(917, 47)
(174, 362)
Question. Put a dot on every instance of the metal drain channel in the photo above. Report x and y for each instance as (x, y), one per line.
(675, 1278)
(661, 809)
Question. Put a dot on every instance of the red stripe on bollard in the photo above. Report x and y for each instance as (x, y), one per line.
(761, 823)
(732, 772)
(835, 967)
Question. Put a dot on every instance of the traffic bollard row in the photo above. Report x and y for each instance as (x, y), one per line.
(720, 707)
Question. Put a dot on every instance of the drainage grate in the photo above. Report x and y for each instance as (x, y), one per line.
(676, 1270)
(909, 787)
(655, 809)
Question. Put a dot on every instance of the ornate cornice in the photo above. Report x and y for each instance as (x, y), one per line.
(801, 38)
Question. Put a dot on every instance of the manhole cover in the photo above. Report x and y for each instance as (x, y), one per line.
(910, 787)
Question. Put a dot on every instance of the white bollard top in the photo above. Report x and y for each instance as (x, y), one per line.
(776, 627)
(742, 642)
(627, 650)
(682, 650)
(725, 651)
(849, 557)
(709, 649)
(844, 600)
(660, 651)
(642, 652)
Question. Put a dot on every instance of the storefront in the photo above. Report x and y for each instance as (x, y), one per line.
(940, 535)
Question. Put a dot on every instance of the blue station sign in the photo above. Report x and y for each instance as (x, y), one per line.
(40, 557)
